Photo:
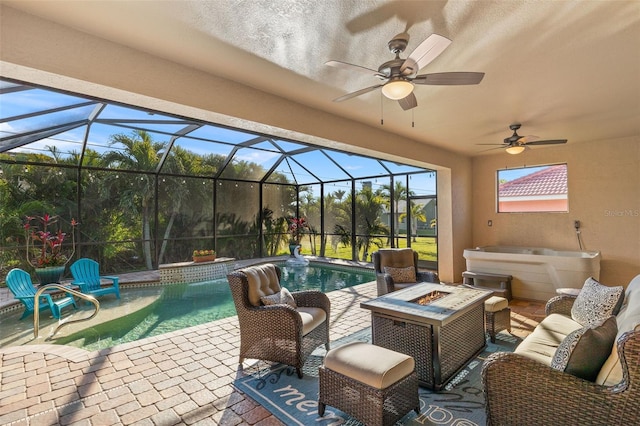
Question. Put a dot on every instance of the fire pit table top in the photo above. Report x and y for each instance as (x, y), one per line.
(428, 302)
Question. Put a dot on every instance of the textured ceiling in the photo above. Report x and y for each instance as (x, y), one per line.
(564, 69)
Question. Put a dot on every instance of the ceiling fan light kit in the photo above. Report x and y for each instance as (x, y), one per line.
(515, 149)
(399, 75)
(397, 89)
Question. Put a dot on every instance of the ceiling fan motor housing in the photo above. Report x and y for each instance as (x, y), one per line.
(399, 43)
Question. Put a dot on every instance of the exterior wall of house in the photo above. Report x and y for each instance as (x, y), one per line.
(532, 205)
(604, 195)
(42, 52)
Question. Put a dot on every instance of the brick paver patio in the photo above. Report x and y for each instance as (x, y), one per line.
(181, 378)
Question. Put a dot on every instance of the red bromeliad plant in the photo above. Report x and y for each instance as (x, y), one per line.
(47, 245)
(297, 227)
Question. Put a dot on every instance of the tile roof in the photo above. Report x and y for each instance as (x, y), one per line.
(551, 180)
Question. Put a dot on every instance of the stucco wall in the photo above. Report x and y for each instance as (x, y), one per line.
(46, 53)
(604, 195)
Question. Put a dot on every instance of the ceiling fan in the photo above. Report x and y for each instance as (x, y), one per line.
(515, 143)
(399, 75)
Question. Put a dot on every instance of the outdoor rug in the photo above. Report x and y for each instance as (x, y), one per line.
(295, 401)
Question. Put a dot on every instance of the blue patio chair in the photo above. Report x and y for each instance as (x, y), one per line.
(20, 284)
(86, 275)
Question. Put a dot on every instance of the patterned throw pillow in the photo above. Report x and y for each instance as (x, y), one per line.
(596, 302)
(583, 352)
(401, 275)
(281, 298)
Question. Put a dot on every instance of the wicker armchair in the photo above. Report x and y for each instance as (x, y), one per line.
(521, 391)
(278, 333)
(398, 258)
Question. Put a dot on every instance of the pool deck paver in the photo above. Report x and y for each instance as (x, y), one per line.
(180, 378)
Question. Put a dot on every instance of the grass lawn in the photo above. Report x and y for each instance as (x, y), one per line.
(426, 247)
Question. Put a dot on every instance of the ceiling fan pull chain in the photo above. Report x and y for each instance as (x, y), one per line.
(412, 118)
(381, 110)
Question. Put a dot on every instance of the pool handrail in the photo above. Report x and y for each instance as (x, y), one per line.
(61, 323)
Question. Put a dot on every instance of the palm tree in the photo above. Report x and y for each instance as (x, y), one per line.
(417, 214)
(369, 208)
(140, 153)
(399, 193)
(177, 190)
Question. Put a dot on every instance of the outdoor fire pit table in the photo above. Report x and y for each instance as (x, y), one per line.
(441, 327)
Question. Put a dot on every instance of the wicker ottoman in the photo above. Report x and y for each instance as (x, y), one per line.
(497, 316)
(375, 385)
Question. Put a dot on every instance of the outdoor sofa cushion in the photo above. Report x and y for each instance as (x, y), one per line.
(263, 281)
(628, 319)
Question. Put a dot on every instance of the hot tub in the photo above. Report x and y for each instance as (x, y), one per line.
(537, 272)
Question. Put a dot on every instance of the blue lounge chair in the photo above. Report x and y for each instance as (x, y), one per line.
(20, 284)
(86, 275)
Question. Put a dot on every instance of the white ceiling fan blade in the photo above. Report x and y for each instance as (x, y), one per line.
(449, 78)
(347, 66)
(426, 52)
(408, 102)
(357, 93)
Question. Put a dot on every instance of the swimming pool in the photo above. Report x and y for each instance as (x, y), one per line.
(179, 306)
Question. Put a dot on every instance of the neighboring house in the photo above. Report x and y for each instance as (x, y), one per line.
(544, 190)
(429, 208)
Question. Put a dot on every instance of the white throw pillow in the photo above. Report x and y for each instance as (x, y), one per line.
(596, 302)
(283, 297)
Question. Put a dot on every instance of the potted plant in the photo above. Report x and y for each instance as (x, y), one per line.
(297, 228)
(204, 255)
(44, 247)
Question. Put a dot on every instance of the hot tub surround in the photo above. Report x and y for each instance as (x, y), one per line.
(537, 272)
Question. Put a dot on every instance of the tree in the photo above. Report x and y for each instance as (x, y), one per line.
(417, 214)
(399, 193)
(369, 226)
(140, 153)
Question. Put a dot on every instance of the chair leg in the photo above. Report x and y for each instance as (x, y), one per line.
(299, 371)
(321, 408)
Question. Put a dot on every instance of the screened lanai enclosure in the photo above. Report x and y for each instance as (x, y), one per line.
(145, 188)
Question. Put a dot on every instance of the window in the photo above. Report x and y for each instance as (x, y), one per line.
(533, 189)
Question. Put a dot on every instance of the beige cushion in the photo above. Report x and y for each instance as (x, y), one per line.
(628, 320)
(263, 281)
(405, 274)
(495, 304)
(400, 286)
(542, 343)
(283, 297)
(373, 365)
(583, 352)
(311, 318)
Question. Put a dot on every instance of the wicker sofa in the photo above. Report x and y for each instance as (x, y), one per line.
(522, 388)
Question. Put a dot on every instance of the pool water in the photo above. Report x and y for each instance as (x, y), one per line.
(184, 305)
